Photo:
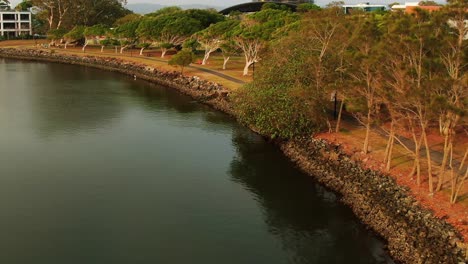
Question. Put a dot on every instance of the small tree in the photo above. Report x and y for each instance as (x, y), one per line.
(143, 46)
(75, 35)
(108, 42)
(93, 34)
(182, 59)
(55, 34)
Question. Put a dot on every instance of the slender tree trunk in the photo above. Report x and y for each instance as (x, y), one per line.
(163, 52)
(225, 61)
(365, 148)
(428, 158)
(102, 49)
(458, 184)
(141, 51)
(417, 156)
(206, 57)
(389, 148)
(122, 49)
(443, 165)
(84, 47)
(246, 67)
(338, 121)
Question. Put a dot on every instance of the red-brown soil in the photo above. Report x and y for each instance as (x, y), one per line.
(439, 203)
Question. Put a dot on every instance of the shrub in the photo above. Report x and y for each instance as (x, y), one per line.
(182, 59)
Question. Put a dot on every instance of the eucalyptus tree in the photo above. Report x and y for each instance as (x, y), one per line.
(93, 34)
(255, 31)
(452, 90)
(109, 41)
(127, 34)
(363, 72)
(56, 35)
(228, 48)
(126, 19)
(289, 95)
(74, 35)
(68, 13)
(214, 37)
(92, 12)
(172, 28)
(410, 45)
(54, 11)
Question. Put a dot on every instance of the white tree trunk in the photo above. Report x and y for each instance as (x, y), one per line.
(66, 44)
(84, 46)
(141, 51)
(122, 49)
(102, 49)
(163, 52)
(226, 59)
(207, 55)
(246, 68)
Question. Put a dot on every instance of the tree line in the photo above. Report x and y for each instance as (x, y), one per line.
(405, 74)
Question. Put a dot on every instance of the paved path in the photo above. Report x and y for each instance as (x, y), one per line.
(436, 156)
(217, 73)
(210, 71)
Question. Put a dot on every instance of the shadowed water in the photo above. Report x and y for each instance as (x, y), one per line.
(98, 168)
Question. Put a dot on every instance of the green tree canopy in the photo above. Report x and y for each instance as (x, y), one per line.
(182, 59)
(25, 5)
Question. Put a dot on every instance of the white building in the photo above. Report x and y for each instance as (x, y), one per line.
(14, 24)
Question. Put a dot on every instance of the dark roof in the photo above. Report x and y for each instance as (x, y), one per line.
(253, 7)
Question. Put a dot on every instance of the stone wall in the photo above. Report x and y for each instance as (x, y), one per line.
(412, 233)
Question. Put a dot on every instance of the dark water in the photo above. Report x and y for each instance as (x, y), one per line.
(98, 168)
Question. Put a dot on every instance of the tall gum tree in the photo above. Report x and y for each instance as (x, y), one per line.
(452, 90)
(364, 61)
(256, 30)
(212, 38)
(410, 43)
(68, 13)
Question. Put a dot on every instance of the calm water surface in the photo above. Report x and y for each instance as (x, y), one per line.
(98, 168)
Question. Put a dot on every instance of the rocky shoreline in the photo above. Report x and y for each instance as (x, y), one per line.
(413, 234)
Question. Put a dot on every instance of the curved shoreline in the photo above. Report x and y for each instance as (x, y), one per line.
(412, 233)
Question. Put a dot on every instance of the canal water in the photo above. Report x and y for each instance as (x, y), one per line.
(97, 168)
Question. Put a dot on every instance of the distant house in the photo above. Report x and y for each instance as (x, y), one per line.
(410, 7)
(14, 24)
(366, 7)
